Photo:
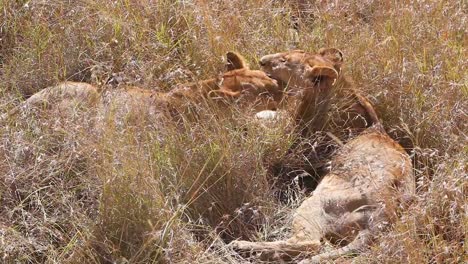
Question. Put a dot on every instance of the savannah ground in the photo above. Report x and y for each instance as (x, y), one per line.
(132, 191)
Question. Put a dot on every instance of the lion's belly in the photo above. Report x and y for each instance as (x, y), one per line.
(356, 188)
(339, 212)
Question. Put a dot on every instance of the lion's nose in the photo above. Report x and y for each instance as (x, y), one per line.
(262, 62)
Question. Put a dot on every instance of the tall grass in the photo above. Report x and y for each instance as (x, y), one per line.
(132, 191)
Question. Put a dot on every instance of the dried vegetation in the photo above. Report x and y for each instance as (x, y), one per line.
(132, 191)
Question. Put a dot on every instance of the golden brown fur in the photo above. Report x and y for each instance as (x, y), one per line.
(241, 86)
(245, 87)
(318, 89)
(249, 89)
(63, 97)
(367, 178)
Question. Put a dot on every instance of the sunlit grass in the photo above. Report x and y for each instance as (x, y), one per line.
(136, 190)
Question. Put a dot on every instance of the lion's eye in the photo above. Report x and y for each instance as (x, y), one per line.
(282, 60)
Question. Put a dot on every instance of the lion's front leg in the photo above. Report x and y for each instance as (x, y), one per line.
(277, 249)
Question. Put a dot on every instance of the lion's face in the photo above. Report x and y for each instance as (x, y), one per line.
(250, 88)
(298, 69)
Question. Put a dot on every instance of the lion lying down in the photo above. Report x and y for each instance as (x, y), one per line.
(366, 179)
(367, 176)
(249, 89)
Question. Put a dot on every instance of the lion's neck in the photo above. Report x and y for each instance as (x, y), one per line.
(311, 115)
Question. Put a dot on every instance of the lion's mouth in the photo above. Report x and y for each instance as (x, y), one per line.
(271, 76)
(269, 71)
(279, 81)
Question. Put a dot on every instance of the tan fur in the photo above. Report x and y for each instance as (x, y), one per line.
(323, 92)
(64, 96)
(247, 88)
(366, 179)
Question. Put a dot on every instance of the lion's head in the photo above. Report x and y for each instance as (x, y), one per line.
(246, 87)
(298, 69)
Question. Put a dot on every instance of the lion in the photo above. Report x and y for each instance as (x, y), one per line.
(249, 89)
(367, 177)
(319, 78)
(326, 108)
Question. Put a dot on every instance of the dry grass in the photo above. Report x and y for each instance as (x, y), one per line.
(132, 191)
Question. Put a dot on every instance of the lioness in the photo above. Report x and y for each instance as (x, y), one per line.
(250, 90)
(240, 85)
(318, 79)
(366, 177)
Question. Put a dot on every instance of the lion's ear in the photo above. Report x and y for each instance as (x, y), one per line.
(334, 55)
(318, 71)
(235, 61)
